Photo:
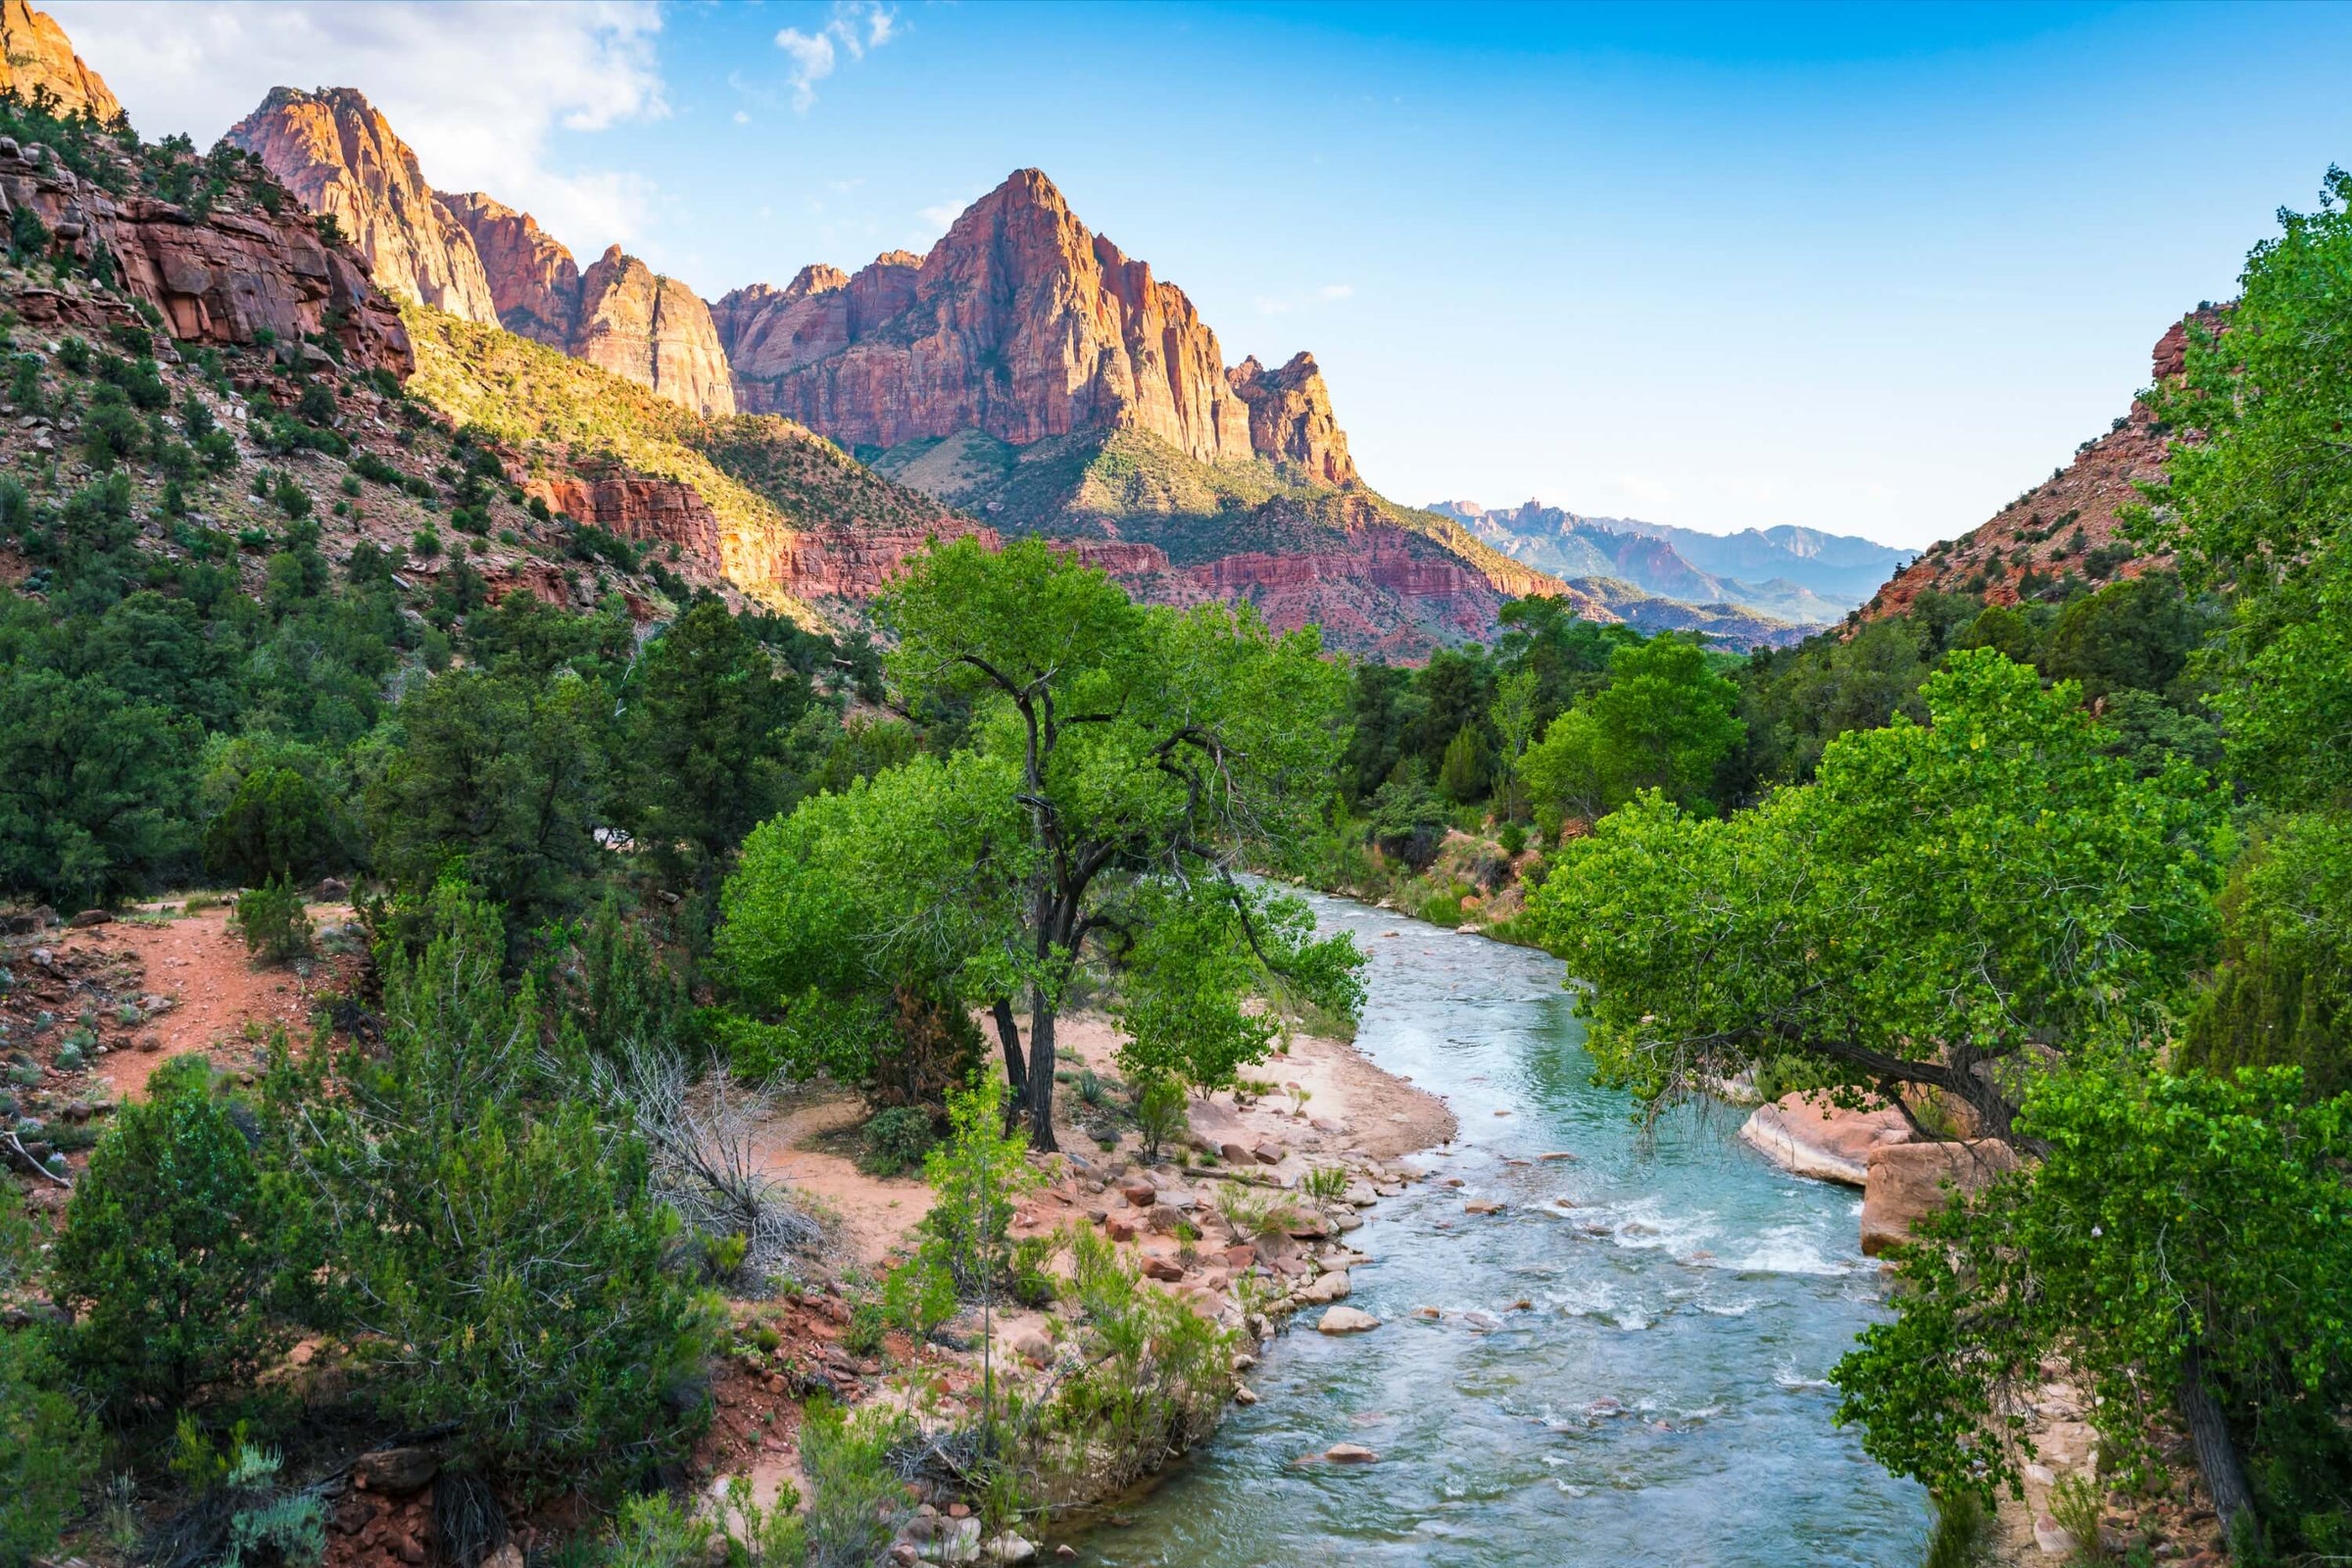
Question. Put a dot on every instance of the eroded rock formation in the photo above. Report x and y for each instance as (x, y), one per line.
(653, 330)
(1021, 323)
(339, 156)
(534, 284)
(1291, 421)
(37, 57)
(221, 279)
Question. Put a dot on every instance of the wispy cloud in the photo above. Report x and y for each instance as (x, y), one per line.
(480, 90)
(1338, 291)
(856, 27)
(1267, 304)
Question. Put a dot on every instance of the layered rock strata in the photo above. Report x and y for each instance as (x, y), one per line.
(223, 278)
(534, 284)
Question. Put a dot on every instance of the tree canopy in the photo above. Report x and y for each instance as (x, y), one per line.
(1946, 904)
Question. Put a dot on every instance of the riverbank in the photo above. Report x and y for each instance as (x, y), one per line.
(1244, 1266)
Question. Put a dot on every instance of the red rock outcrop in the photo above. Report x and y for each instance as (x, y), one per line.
(1021, 323)
(653, 330)
(37, 57)
(1291, 421)
(2058, 525)
(634, 507)
(534, 284)
(221, 278)
(339, 157)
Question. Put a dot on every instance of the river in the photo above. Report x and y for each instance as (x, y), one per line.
(1661, 1399)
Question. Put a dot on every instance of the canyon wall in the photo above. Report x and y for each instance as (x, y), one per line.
(339, 157)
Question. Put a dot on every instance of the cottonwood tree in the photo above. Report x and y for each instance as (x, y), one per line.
(1946, 905)
(1124, 763)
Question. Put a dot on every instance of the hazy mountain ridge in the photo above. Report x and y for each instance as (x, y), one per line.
(1794, 574)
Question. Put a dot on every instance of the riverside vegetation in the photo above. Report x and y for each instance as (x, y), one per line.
(2073, 872)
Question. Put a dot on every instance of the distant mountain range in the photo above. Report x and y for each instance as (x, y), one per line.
(1795, 574)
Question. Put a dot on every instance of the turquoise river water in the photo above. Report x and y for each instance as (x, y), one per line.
(1661, 1400)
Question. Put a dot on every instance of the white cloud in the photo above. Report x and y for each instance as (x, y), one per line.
(939, 218)
(1338, 291)
(856, 27)
(479, 90)
(1267, 304)
(742, 118)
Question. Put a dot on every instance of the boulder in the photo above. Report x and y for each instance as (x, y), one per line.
(395, 1470)
(1120, 1227)
(91, 917)
(1351, 1453)
(1009, 1548)
(1033, 1347)
(1907, 1182)
(1162, 1268)
(1235, 1153)
(1310, 1225)
(1481, 1205)
(1345, 1320)
(1809, 1138)
(1267, 1153)
(1328, 1288)
(2053, 1537)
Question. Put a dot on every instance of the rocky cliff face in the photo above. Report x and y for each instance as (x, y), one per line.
(2070, 524)
(479, 259)
(534, 284)
(338, 156)
(653, 330)
(218, 279)
(37, 57)
(1020, 323)
(1291, 421)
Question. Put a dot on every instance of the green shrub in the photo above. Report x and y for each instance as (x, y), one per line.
(271, 920)
(1159, 1117)
(500, 1255)
(171, 1250)
(897, 1140)
(855, 1501)
(278, 825)
(48, 1446)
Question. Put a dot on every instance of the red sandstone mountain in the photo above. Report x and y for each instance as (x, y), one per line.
(1021, 323)
(36, 55)
(1291, 422)
(2070, 523)
(339, 156)
(534, 284)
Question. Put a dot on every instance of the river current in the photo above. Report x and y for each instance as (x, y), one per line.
(1659, 1399)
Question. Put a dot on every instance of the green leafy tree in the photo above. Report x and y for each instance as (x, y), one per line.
(2186, 1242)
(276, 826)
(1944, 905)
(501, 781)
(1462, 778)
(1666, 721)
(94, 788)
(48, 1445)
(494, 1247)
(2283, 994)
(2255, 496)
(707, 726)
(1136, 747)
(171, 1252)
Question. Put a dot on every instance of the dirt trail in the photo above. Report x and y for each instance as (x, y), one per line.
(214, 989)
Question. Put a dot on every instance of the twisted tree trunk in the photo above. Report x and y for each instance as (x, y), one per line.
(2216, 1450)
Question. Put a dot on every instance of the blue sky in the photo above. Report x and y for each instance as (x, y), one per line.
(1870, 269)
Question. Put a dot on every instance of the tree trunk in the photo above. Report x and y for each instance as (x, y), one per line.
(1016, 1077)
(1041, 1071)
(2217, 1452)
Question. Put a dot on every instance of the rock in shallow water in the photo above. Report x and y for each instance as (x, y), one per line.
(1345, 1320)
